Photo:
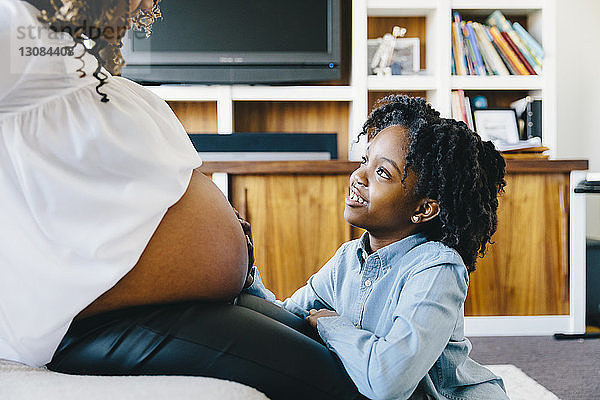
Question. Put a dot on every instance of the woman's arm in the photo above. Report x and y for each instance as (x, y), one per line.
(391, 367)
(198, 252)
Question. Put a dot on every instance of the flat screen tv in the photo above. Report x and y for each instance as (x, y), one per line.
(238, 41)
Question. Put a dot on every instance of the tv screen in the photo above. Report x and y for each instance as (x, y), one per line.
(238, 41)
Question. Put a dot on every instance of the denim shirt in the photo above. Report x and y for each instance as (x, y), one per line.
(401, 320)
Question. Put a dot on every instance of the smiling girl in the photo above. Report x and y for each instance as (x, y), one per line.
(390, 304)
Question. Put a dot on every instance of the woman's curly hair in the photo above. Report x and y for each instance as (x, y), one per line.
(73, 16)
(453, 166)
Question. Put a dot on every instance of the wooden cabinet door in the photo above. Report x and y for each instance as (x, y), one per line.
(297, 224)
(526, 270)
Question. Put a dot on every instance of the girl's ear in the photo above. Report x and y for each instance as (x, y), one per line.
(427, 210)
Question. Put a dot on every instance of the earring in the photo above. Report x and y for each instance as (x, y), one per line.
(415, 219)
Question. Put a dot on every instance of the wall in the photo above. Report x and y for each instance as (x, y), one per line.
(578, 86)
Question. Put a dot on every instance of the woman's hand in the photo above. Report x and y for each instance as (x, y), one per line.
(314, 315)
(248, 232)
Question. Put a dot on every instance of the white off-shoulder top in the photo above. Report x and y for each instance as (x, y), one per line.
(83, 184)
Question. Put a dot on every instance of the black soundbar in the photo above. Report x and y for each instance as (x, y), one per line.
(267, 142)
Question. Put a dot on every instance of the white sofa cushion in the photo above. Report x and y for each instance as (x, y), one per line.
(18, 381)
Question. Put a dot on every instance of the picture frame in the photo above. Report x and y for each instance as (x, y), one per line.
(405, 59)
(498, 125)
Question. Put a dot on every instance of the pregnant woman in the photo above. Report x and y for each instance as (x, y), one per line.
(116, 255)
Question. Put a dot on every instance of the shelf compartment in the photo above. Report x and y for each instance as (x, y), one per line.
(196, 116)
(416, 27)
(512, 82)
(295, 117)
(499, 98)
(402, 82)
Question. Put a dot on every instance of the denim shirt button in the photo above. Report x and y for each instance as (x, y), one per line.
(368, 283)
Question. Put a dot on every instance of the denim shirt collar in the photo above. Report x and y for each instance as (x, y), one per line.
(387, 253)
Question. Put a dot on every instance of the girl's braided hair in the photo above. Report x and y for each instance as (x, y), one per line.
(453, 166)
(74, 16)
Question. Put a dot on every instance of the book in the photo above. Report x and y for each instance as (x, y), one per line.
(461, 108)
(453, 61)
(536, 149)
(518, 53)
(534, 123)
(487, 50)
(537, 57)
(498, 19)
(507, 64)
(508, 52)
(524, 156)
(534, 47)
(501, 49)
(469, 113)
(456, 113)
(470, 37)
(459, 57)
(524, 51)
(529, 117)
(520, 107)
(470, 57)
(520, 145)
(538, 152)
(485, 57)
(488, 67)
(461, 103)
(458, 20)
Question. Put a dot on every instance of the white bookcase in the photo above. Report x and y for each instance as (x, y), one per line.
(437, 82)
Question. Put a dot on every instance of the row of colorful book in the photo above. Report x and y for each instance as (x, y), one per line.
(498, 47)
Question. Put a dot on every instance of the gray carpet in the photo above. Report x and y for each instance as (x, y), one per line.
(569, 368)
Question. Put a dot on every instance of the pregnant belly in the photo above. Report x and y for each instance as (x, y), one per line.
(198, 252)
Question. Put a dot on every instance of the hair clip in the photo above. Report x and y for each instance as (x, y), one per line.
(145, 18)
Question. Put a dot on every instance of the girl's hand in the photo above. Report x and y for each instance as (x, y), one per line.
(314, 315)
(248, 232)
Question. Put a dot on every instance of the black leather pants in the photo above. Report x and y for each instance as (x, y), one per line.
(252, 342)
